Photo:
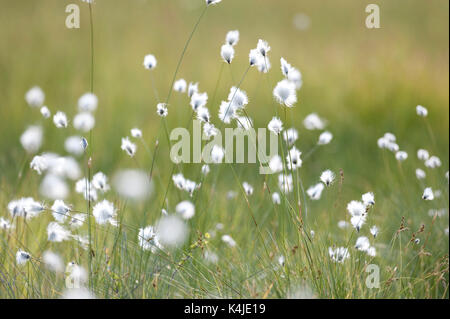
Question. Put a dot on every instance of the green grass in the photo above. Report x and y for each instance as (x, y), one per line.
(364, 82)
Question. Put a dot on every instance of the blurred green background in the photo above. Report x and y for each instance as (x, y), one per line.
(363, 81)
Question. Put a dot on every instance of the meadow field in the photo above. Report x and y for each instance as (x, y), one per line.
(98, 210)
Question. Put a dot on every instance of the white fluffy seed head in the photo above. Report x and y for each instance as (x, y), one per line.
(87, 102)
(35, 97)
(128, 146)
(325, 138)
(284, 93)
(227, 53)
(132, 184)
(180, 86)
(45, 112)
(185, 209)
(60, 119)
(150, 62)
(232, 37)
(275, 125)
(327, 177)
(172, 231)
(31, 139)
(421, 111)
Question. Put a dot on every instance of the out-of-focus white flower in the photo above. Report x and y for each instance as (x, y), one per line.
(85, 188)
(339, 254)
(227, 53)
(31, 139)
(401, 156)
(73, 145)
(148, 239)
(284, 93)
(185, 209)
(172, 231)
(342, 224)
(217, 154)
(132, 184)
(428, 194)
(276, 198)
(362, 243)
(60, 210)
(227, 239)
(368, 199)
(232, 37)
(60, 119)
(136, 133)
(276, 164)
(45, 112)
(57, 233)
(39, 164)
(374, 231)
(423, 155)
(210, 257)
(54, 187)
(433, 162)
(76, 274)
(301, 21)
(205, 169)
(293, 159)
(84, 122)
(248, 189)
(290, 136)
(420, 173)
(22, 257)
(372, 252)
(315, 191)
(281, 260)
(275, 125)
(421, 111)
(285, 183)
(4, 224)
(180, 86)
(209, 130)
(198, 100)
(53, 261)
(314, 122)
(325, 138)
(128, 146)
(327, 177)
(35, 97)
(161, 109)
(87, 102)
(78, 293)
(149, 62)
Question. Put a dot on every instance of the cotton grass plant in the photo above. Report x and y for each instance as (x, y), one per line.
(151, 228)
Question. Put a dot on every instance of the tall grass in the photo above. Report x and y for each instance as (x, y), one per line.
(411, 248)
